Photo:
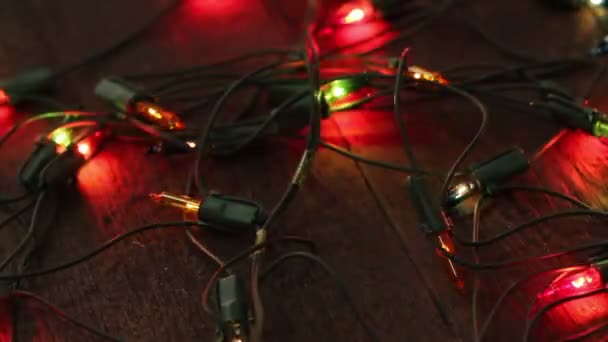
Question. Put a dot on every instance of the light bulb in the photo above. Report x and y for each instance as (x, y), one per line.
(572, 283)
(600, 128)
(419, 73)
(355, 15)
(4, 98)
(158, 116)
(338, 89)
(62, 137)
(88, 146)
(185, 203)
(446, 243)
(84, 148)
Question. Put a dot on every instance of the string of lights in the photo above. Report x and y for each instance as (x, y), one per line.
(304, 87)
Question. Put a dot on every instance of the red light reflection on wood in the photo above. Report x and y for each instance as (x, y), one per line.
(573, 317)
(587, 165)
(6, 325)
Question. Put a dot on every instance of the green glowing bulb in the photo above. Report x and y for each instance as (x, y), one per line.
(600, 128)
(338, 89)
(337, 92)
(62, 137)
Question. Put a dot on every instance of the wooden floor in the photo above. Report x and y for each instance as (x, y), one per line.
(148, 288)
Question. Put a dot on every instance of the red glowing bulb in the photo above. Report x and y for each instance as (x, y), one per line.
(4, 98)
(570, 283)
(90, 145)
(355, 15)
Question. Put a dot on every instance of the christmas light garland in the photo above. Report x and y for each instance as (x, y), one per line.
(305, 87)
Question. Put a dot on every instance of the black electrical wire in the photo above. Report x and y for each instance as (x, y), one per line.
(195, 241)
(512, 289)
(44, 116)
(504, 49)
(508, 188)
(29, 234)
(202, 68)
(536, 108)
(427, 19)
(205, 295)
(60, 313)
(43, 100)
(348, 299)
(468, 67)
(476, 284)
(515, 86)
(599, 75)
(257, 330)
(372, 162)
(532, 188)
(467, 150)
(201, 247)
(312, 144)
(458, 91)
(191, 82)
(496, 43)
(260, 128)
(292, 188)
(337, 149)
(14, 199)
(16, 214)
(276, 112)
(519, 261)
(542, 69)
(259, 125)
(533, 222)
(118, 45)
(514, 103)
(541, 312)
(399, 120)
(204, 136)
(313, 140)
(89, 255)
(16, 284)
(152, 130)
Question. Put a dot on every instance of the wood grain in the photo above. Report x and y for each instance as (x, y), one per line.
(148, 288)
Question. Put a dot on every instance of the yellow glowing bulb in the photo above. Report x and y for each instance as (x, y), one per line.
(191, 144)
(355, 15)
(596, 2)
(417, 75)
(155, 113)
(62, 137)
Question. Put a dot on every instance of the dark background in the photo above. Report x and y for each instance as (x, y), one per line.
(148, 288)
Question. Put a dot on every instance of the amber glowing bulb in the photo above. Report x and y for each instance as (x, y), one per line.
(447, 244)
(155, 114)
(185, 203)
